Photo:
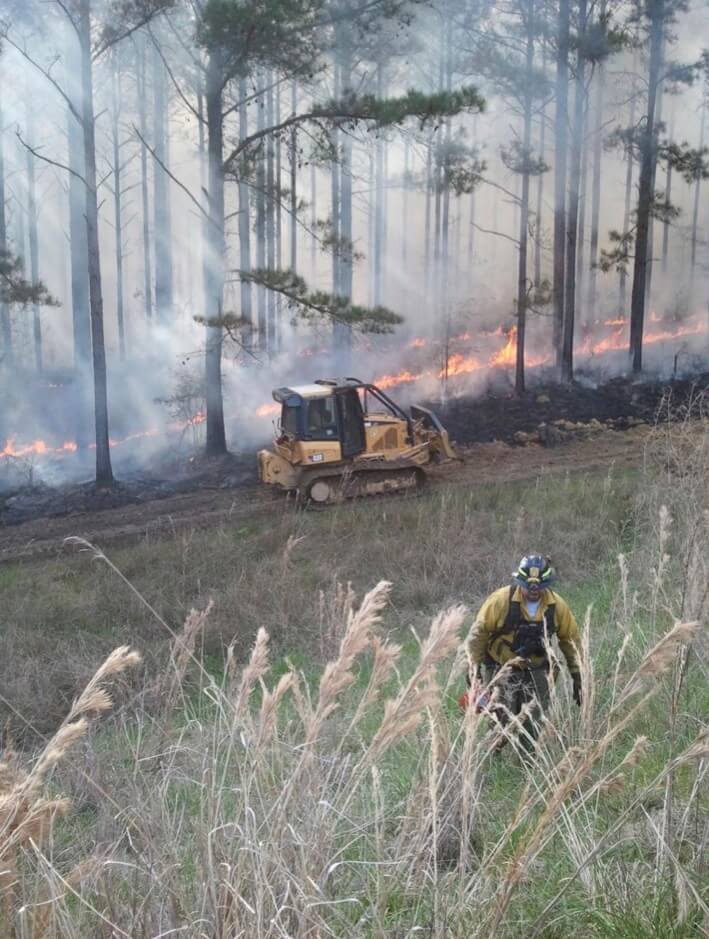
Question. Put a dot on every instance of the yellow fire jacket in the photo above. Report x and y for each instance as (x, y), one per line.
(483, 642)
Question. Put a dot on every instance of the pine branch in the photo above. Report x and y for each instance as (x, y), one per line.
(317, 304)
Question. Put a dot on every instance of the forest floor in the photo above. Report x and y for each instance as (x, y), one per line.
(212, 506)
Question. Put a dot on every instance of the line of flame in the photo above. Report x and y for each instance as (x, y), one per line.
(457, 364)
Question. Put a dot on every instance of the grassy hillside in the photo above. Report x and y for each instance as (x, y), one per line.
(242, 787)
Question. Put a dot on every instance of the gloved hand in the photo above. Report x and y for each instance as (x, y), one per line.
(576, 679)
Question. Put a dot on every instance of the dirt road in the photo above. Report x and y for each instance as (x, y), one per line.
(482, 463)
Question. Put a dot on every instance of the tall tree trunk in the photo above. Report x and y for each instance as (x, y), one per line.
(405, 201)
(271, 190)
(427, 219)
(143, 118)
(372, 220)
(567, 342)
(651, 225)
(203, 178)
(445, 218)
(471, 221)
(335, 192)
(623, 287)
(668, 198)
(524, 204)
(33, 240)
(19, 242)
(596, 192)
(342, 332)
(560, 147)
(647, 165)
(214, 256)
(78, 245)
(244, 216)
(279, 184)
(380, 210)
(695, 212)
(437, 213)
(7, 353)
(540, 202)
(261, 221)
(117, 199)
(313, 218)
(104, 472)
(161, 194)
(294, 184)
(581, 233)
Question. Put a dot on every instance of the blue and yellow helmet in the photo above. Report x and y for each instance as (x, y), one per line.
(534, 570)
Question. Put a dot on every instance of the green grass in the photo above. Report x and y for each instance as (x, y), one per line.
(452, 545)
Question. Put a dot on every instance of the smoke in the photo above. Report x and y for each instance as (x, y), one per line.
(456, 294)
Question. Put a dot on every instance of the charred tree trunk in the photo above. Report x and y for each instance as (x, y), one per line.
(214, 256)
(33, 241)
(143, 118)
(567, 342)
(560, 147)
(647, 166)
(104, 472)
(596, 193)
(5, 325)
(117, 199)
(522, 290)
(161, 194)
(244, 216)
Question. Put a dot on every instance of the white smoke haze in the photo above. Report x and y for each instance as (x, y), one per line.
(457, 309)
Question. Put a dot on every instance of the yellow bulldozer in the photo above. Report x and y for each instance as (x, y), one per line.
(342, 439)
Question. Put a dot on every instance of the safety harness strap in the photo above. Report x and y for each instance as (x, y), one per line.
(513, 621)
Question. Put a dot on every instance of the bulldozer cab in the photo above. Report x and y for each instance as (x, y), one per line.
(321, 412)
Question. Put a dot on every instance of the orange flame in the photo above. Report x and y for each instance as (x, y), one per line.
(404, 377)
(268, 410)
(460, 365)
(457, 364)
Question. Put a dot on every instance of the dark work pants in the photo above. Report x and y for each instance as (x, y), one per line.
(520, 687)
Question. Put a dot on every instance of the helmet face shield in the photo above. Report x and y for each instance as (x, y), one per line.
(534, 573)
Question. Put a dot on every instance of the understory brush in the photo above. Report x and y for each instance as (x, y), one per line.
(262, 799)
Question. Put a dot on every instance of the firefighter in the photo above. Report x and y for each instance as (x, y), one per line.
(512, 626)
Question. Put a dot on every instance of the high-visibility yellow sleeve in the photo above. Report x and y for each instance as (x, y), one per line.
(567, 632)
(490, 617)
